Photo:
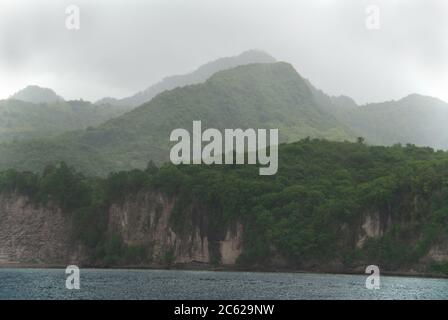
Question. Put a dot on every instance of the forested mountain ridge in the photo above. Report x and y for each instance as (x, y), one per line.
(254, 95)
(266, 95)
(36, 112)
(36, 94)
(415, 119)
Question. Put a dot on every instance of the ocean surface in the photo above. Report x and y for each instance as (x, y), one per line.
(169, 284)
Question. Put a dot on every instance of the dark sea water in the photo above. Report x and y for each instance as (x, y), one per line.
(167, 284)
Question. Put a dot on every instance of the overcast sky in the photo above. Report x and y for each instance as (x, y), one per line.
(124, 46)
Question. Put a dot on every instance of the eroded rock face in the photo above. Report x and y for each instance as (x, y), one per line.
(144, 219)
(371, 227)
(38, 235)
(439, 250)
(373, 224)
(31, 234)
(232, 246)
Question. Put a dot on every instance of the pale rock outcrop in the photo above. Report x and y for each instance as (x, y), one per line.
(34, 234)
(439, 250)
(144, 219)
(373, 226)
(232, 245)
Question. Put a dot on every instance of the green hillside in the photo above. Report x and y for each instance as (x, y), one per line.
(21, 120)
(36, 94)
(250, 96)
(414, 119)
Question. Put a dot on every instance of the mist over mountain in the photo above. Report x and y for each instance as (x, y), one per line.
(36, 112)
(250, 95)
(36, 94)
(331, 104)
(199, 75)
(414, 119)
(267, 95)
(24, 120)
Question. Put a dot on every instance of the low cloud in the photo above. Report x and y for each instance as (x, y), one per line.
(125, 46)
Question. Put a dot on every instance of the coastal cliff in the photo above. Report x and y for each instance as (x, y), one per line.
(42, 235)
(32, 234)
(145, 219)
(332, 207)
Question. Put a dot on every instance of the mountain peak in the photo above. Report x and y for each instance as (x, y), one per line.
(254, 56)
(246, 57)
(416, 98)
(36, 94)
(200, 75)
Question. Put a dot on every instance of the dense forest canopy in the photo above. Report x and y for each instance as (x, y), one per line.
(304, 212)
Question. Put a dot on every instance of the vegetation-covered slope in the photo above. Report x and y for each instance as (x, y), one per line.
(415, 119)
(249, 96)
(36, 94)
(21, 120)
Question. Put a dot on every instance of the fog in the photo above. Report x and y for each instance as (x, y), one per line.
(125, 46)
